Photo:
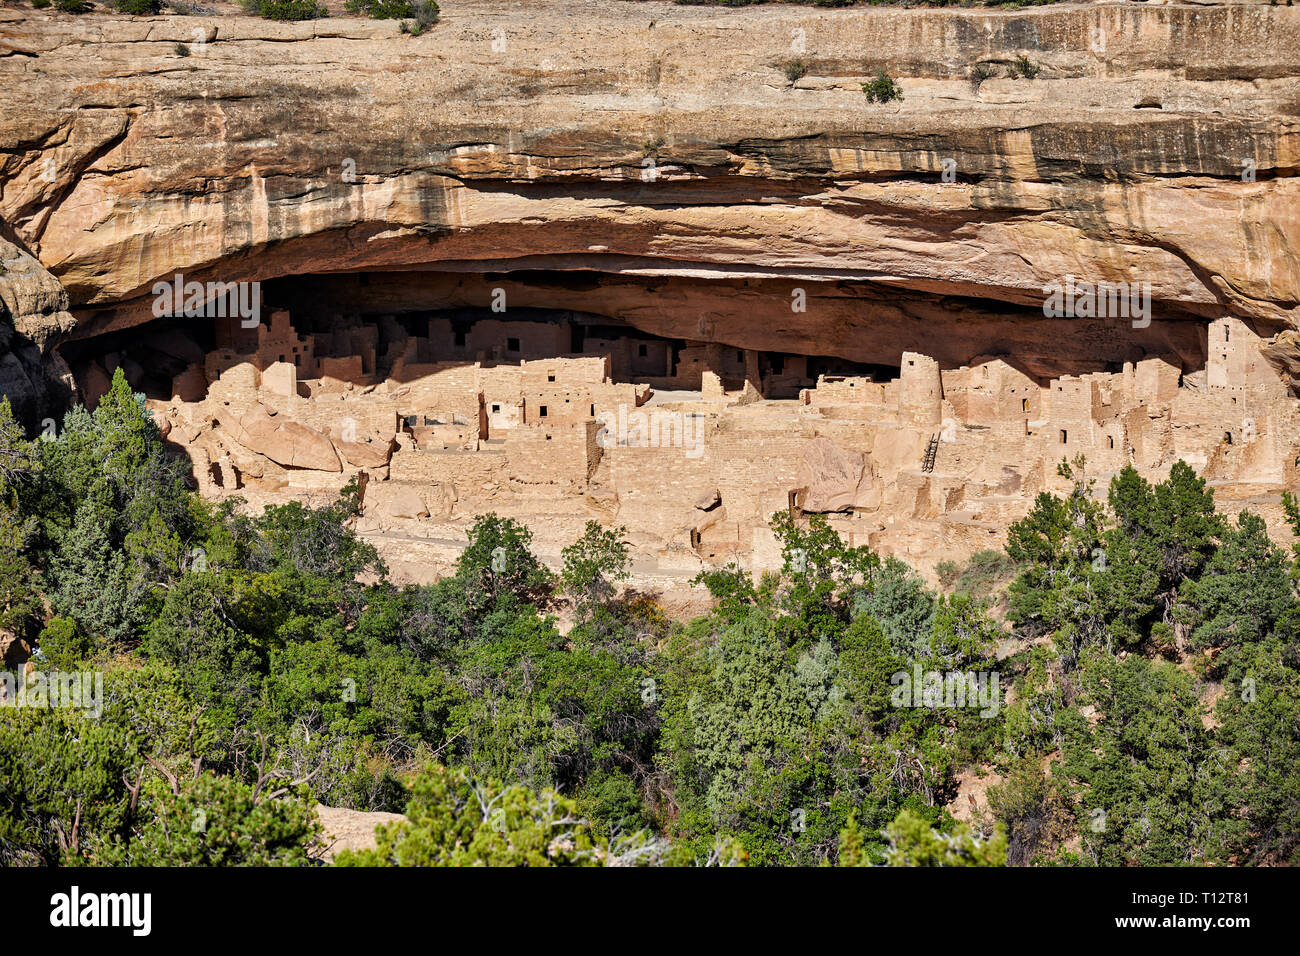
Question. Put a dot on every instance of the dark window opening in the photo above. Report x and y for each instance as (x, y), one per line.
(512, 345)
(1064, 437)
(542, 411)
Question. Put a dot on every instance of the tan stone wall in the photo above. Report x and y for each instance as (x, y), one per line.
(844, 390)
(541, 374)
(460, 469)
(562, 455)
(704, 488)
(492, 338)
(349, 369)
(558, 406)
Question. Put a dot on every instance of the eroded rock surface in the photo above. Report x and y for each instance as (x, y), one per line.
(664, 139)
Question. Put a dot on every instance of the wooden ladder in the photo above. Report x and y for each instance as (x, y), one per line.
(931, 453)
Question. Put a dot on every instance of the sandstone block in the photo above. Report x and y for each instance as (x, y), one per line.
(287, 443)
(831, 478)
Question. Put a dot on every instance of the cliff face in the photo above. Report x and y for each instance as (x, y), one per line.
(652, 140)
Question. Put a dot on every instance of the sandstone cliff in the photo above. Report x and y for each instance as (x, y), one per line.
(652, 140)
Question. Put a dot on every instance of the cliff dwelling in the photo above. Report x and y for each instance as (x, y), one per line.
(445, 409)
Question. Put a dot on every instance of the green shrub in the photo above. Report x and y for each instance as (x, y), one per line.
(882, 89)
(64, 645)
(913, 842)
(984, 573)
(381, 9)
(221, 821)
(446, 825)
(1023, 66)
(285, 9)
(947, 572)
(794, 69)
(425, 14)
(72, 6)
(40, 4)
(138, 8)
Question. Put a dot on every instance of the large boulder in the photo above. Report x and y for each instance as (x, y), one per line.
(285, 442)
(369, 453)
(832, 478)
(388, 500)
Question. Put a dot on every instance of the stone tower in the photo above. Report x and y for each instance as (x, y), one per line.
(920, 396)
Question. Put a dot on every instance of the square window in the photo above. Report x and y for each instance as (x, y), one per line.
(551, 377)
(542, 411)
(495, 409)
(512, 345)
